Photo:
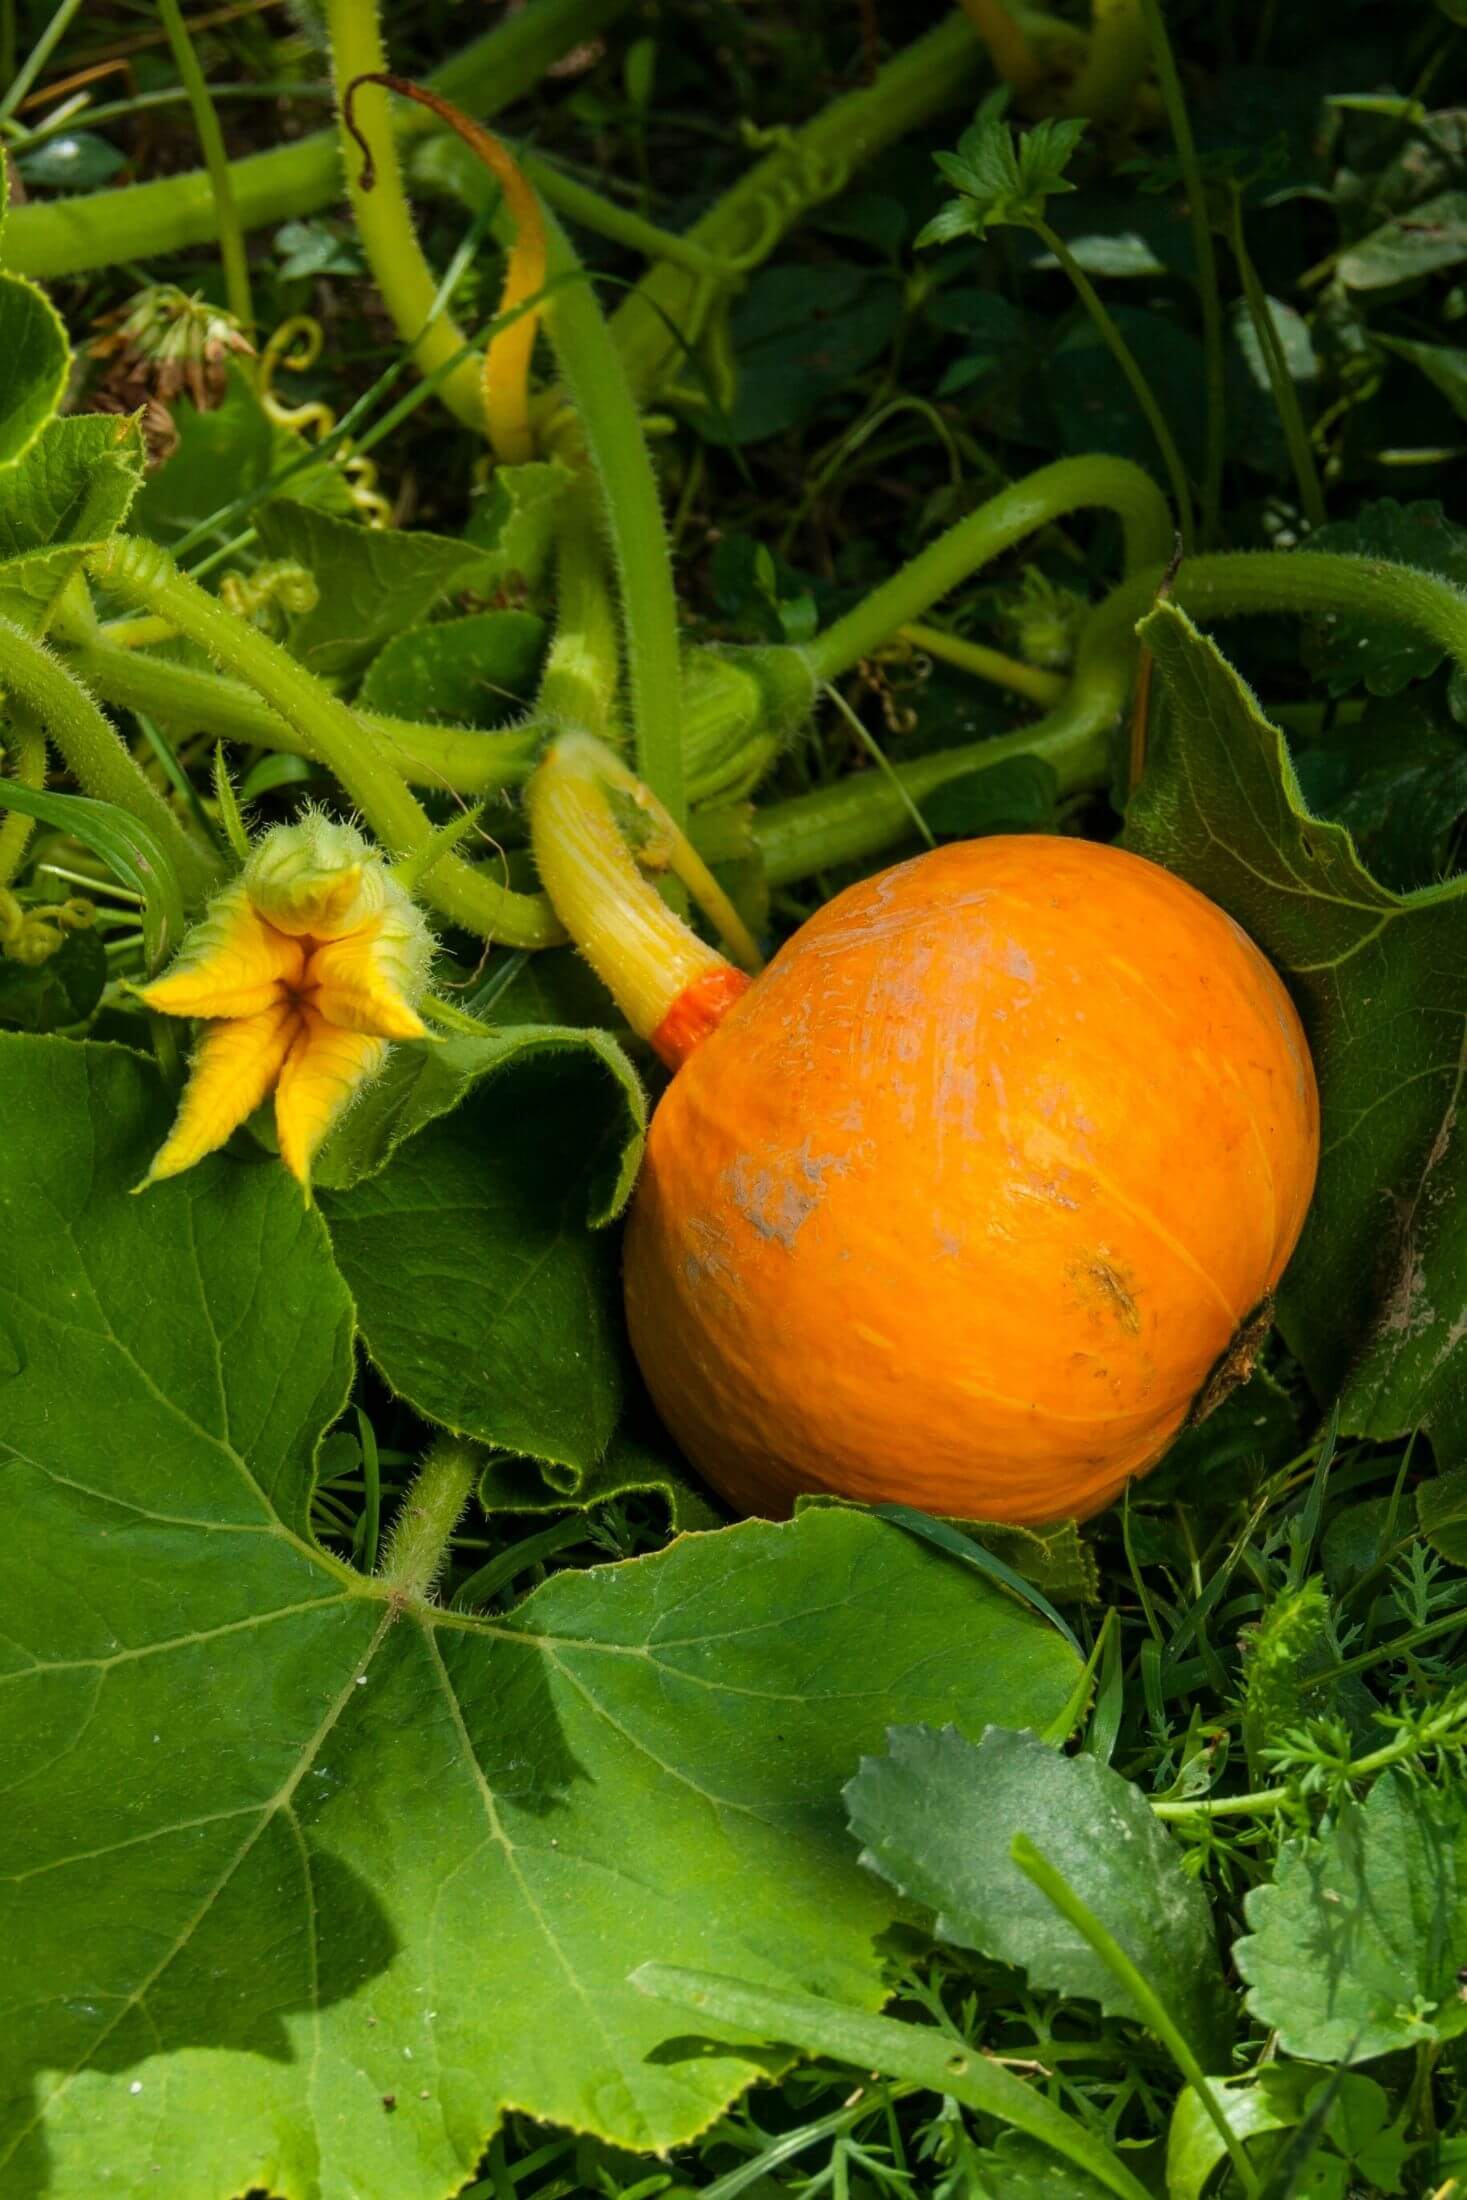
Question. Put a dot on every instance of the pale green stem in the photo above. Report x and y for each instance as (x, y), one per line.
(94, 755)
(632, 509)
(384, 219)
(1148, 2004)
(143, 221)
(216, 163)
(1031, 681)
(417, 1546)
(454, 759)
(25, 76)
(1070, 485)
(1206, 254)
(578, 685)
(1136, 381)
(145, 575)
(27, 761)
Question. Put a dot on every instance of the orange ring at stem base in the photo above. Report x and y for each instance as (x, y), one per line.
(698, 1010)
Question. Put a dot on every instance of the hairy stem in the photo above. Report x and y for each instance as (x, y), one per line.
(145, 220)
(216, 165)
(94, 754)
(455, 759)
(146, 576)
(632, 515)
(1031, 681)
(418, 1544)
(582, 667)
(1070, 485)
(408, 286)
(27, 760)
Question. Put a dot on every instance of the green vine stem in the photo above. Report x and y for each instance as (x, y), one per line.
(1031, 681)
(408, 286)
(1280, 381)
(216, 165)
(417, 1546)
(455, 759)
(856, 818)
(94, 755)
(1070, 485)
(632, 513)
(582, 667)
(146, 576)
(145, 220)
(1125, 359)
(27, 758)
(1206, 253)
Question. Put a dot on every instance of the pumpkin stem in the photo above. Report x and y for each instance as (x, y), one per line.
(597, 832)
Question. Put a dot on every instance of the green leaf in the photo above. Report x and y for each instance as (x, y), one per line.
(1397, 777)
(130, 850)
(374, 581)
(799, 336)
(1019, 2168)
(222, 455)
(1444, 365)
(1353, 1948)
(938, 1815)
(1275, 2100)
(71, 491)
(1093, 405)
(77, 160)
(1387, 657)
(1002, 179)
(487, 1295)
(35, 360)
(515, 523)
(64, 990)
(284, 1846)
(476, 671)
(1426, 241)
(628, 1468)
(1372, 1299)
(1016, 795)
(919, 2053)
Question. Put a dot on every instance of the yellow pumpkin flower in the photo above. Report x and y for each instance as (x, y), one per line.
(304, 970)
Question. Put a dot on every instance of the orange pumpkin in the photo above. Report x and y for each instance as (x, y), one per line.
(969, 1195)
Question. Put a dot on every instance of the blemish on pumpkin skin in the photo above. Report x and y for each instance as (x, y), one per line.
(1103, 1285)
(779, 1200)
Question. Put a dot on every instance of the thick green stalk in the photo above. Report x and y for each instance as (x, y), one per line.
(1070, 485)
(1280, 381)
(1136, 381)
(578, 685)
(216, 164)
(145, 575)
(1206, 252)
(145, 220)
(455, 759)
(26, 747)
(632, 514)
(939, 71)
(94, 755)
(418, 1545)
(858, 817)
(384, 219)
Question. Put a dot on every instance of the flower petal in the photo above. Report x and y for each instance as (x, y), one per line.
(323, 1073)
(353, 983)
(234, 1066)
(232, 964)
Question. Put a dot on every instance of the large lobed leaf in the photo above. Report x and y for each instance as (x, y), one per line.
(1373, 1301)
(304, 1881)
